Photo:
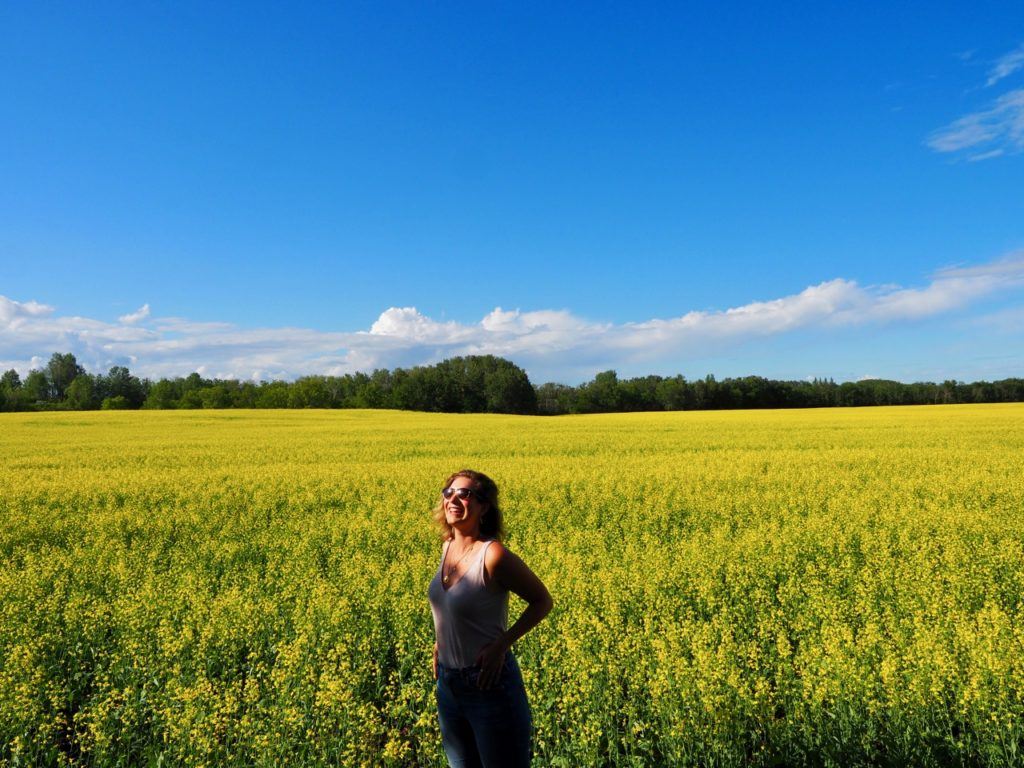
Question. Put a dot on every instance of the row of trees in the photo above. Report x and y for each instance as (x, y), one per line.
(474, 384)
(64, 384)
(606, 393)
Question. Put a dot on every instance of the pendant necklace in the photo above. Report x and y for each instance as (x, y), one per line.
(446, 577)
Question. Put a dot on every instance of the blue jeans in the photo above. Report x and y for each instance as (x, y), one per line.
(484, 728)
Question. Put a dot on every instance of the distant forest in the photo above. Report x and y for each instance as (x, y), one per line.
(474, 384)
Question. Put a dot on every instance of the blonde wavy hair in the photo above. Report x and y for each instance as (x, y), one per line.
(492, 523)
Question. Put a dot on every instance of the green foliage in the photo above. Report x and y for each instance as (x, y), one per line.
(60, 372)
(602, 395)
(273, 395)
(217, 396)
(36, 388)
(119, 382)
(310, 392)
(115, 403)
(11, 394)
(555, 399)
(82, 393)
(606, 393)
(10, 380)
(163, 394)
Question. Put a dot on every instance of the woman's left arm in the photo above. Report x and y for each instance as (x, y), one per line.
(511, 573)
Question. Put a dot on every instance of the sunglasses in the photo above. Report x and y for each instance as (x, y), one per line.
(462, 493)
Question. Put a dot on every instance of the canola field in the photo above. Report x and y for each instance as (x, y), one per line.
(829, 587)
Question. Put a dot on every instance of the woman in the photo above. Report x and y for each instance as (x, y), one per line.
(481, 703)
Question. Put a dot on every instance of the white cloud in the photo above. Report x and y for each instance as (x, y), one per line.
(12, 312)
(1006, 66)
(995, 131)
(407, 324)
(986, 155)
(133, 317)
(815, 304)
(549, 343)
(991, 132)
(950, 289)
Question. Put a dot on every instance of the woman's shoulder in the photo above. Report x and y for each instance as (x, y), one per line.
(495, 552)
(506, 570)
(497, 557)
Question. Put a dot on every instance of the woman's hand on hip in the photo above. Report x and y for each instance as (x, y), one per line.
(490, 661)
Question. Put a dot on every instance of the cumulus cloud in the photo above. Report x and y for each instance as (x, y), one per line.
(406, 324)
(556, 343)
(13, 312)
(133, 317)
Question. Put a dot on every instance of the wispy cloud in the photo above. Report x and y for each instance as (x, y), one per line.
(133, 317)
(549, 343)
(986, 155)
(1006, 65)
(995, 131)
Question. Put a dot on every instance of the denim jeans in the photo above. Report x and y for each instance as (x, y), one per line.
(484, 728)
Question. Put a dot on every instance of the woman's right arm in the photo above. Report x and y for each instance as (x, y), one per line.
(433, 663)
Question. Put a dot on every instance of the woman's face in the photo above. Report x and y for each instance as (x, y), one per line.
(463, 513)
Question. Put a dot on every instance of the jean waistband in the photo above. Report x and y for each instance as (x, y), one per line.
(468, 673)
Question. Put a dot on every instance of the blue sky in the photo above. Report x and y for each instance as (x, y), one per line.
(263, 191)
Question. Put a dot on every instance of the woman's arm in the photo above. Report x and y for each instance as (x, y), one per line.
(511, 573)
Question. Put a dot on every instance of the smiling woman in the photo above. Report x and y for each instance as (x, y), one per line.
(481, 702)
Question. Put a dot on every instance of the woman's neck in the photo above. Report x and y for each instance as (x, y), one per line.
(465, 540)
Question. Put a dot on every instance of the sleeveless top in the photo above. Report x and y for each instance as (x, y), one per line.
(468, 615)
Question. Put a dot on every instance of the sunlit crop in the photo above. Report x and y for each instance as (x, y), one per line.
(738, 588)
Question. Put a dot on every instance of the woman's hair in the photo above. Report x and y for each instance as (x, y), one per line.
(492, 525)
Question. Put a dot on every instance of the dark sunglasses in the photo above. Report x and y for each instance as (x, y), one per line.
(462, 493)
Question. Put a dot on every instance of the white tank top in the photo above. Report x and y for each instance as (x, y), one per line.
(467, 615)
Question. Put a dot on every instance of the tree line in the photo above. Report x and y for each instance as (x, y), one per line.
(472, 384)
(606, 393)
